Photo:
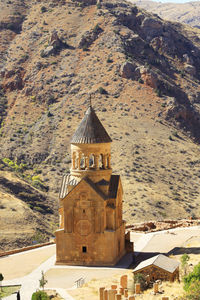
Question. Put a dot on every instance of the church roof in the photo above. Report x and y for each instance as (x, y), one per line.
(161, 261)
(67, 181)
(90, 130)
(114, 184)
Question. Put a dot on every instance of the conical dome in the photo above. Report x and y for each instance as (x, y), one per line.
(90, 130)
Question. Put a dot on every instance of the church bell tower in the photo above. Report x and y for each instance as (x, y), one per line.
(91, 231)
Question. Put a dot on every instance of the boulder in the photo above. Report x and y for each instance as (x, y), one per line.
(128, 70)
(54, 40)
(148, 77)
(48, 51)
(187, 59)
(190, 69)
(151, 27)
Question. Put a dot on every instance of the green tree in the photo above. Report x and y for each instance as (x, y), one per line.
(191, 280)
(40, 295)
(193, 292)
(140, 278)
(1, 279)
(184, 263)
(43, 281)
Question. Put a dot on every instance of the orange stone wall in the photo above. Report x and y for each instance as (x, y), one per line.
(88, 220)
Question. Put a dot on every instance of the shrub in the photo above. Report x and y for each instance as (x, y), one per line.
(192, 278)
(102, 91)
(43, 281)
(184, 262)
(109, 60)
(140, 80)
(175, 133)
(96, 28)
(43, 9)
(182, 73)
(193, 292)
(98, 5)
(158, 92)
(140, 278)
(85, 47)
(40, 295)
(49, 115)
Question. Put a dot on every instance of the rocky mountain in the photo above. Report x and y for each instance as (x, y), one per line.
(188, 13)
(143, 76)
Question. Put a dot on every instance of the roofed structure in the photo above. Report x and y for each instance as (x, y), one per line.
(159, 267)
(92, 231)
(90, 130)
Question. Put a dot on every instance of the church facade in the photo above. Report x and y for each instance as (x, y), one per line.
(91, 230)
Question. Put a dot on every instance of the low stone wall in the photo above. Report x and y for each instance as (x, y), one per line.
(154, 226)
(6, 253)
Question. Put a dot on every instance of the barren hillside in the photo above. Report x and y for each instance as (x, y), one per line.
(143, 74)
(188, 13)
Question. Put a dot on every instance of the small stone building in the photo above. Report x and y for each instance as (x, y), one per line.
(159, 267)
(91, 231)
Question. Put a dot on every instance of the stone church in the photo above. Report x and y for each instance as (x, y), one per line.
(91, 231)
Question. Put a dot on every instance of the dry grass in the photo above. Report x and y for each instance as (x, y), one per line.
(90, 290)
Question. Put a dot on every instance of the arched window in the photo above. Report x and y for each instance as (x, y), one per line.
(82, 162)
(91, 161)
(101, 161)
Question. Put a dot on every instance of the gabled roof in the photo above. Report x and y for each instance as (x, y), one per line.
(114, 184)
(95, 187)
(161, 261)
(90, 130)
(66, 180)
(91, 184)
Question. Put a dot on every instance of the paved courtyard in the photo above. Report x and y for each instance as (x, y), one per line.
(25, 268)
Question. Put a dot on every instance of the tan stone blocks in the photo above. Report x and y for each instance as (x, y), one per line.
(155, 288)
(126, 293)
(165, 298)
(111, 294)
(118, 297)
(121, 290)
(113, 286)
(101, 290)
(137, 288)
(131, 298)
(105, 295)
(124, 281)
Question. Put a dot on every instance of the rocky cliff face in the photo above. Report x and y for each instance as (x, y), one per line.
(143, 74)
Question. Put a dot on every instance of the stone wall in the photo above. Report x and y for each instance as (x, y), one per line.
(155, 273)
(6, 253)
